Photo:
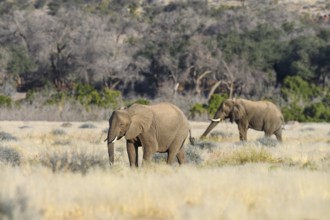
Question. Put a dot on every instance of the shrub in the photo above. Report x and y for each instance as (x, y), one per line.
(111, 98)
(296, 89)
(7, 137)
(293, 112)
(268, 142)
(58, 132)
(193, 155)
(212, 106)
(142, 101)
(198, 110)
(18, 207)
(317, 112)
(5, 101)
(74, 162)
(9, 156)
(87, 125)
(214, 102)
(86, 95)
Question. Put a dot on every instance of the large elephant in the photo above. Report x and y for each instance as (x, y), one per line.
(258, 115)
(161, 128)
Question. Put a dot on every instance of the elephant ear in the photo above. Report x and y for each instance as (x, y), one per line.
(141, 117)
(237, 112)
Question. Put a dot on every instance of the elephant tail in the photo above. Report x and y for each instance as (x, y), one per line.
(191, 139)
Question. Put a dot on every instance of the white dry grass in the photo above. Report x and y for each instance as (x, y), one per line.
(63, 173)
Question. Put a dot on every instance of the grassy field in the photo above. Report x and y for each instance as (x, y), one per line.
(55, 170)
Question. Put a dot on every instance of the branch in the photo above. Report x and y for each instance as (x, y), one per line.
(215, 86)
(198, 81)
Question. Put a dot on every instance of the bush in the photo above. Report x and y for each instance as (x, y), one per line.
(7, 137)
(142, 101)
(5, 101)
(293, 112)
(295, 89)
(74, 162)
(58, 132)
(198, 110)
(18, 207)
(9, 156)
(86, 95)
(87, 125)
(212, 106)
(317, 112)
(214, 102)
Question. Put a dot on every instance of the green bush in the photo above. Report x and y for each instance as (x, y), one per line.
(86, 95)
(110, 98)
(197, 110)
(57, 98)
(212, 106)
(5, 101)
(214, 102)
(142, 101)
(296, 89)
(293, 112)
(317, 112)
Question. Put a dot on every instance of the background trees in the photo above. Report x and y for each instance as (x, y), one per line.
(182, 51)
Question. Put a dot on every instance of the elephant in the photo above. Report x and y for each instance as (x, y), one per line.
(159, 127)
(258, 115)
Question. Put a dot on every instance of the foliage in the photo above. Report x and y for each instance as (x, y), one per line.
(145, 48)
(142, 101)
(317, 112)
(296, 89)
(293, 112)
(212, 106)
(198, 110)
(5, 101)
(20, 61)
(305, 101)
(86, 95)
(214, 102)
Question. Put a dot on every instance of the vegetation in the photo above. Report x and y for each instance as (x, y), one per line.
(111, 53)
(73, 180)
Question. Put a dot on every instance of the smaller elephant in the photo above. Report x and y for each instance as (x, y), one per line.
(258, 115)
(161, 128)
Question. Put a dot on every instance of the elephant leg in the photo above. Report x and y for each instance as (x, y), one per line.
(132, 152)
(242, 133)
(278, 135)
(150, 147)
(171, 156)
(176, 150)
(181, 157)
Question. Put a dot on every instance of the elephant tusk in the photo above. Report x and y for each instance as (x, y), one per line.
(216, 120)
(114, 140)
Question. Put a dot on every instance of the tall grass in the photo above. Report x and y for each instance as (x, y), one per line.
(222, 179)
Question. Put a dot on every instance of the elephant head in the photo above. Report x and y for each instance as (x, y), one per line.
(124, 123)
(229, 108)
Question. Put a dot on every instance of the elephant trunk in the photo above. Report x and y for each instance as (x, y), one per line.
(209, 128)
(111, 139)
(111, 152)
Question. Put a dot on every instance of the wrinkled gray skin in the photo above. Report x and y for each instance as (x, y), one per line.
(258, 115)
(157, 128)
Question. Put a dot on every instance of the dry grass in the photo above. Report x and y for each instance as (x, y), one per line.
(53, 170)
